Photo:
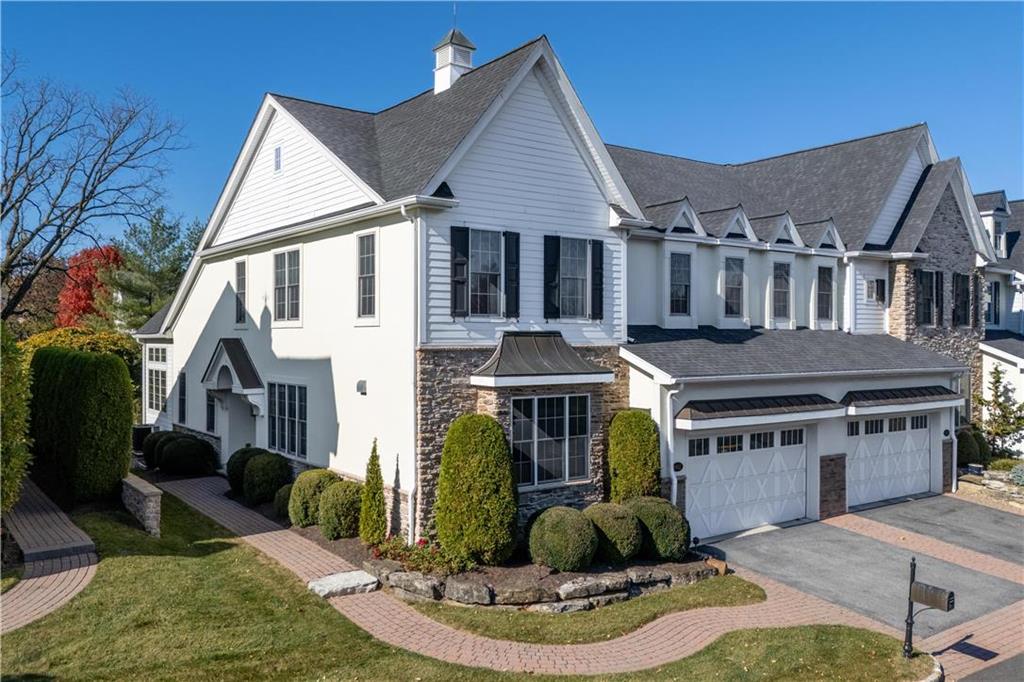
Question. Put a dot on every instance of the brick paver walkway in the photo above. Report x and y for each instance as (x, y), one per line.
(42, 530)
(980, 643)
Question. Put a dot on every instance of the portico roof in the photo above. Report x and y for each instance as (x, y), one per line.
(238, 357)
(537, 358)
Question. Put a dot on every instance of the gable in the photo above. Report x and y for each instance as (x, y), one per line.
(901, 193)
(310, 183)
(947, 235)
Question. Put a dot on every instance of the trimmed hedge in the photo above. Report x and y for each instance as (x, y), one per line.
(149, 446)
(235, 467)
(15, 455)
(373, 519)
(634, 455)
(81, 424)
(967, 448)
(619, 536)
(563, 538)
(665, 530)
(188, 456)
(264, 475)
(304, 505)
(281, 497)
(339, 510)
(476, 494)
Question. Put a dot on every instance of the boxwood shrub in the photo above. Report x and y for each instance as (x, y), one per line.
(149, 446)
(264, 475)
(161, 445)
(665, 530)
(967, 448)
(304, 504)
(634, 455)
(235, 467)
(563, 538)
(281, 498)
(14, 403)
(476, 494)
(188, 456)
(339, 510)
(619, 536)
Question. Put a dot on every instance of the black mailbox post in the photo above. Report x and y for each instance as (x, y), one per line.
(930, 597)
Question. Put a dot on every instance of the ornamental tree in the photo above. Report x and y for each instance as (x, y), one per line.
(77, 300)
(1002, 419)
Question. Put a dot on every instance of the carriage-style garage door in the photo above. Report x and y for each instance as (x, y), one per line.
(741, 489)
(889, 458)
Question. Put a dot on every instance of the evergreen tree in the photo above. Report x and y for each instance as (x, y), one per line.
(1003, 421)
(373, 523)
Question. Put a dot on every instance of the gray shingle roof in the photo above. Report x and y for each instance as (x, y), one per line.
(922, 204)
(991, 201)
(241, 362)
(153, 324)
(396, 151)
(752, 407)
(536, 354)
(717, 222)
(1008, 342)
(847, 181)
(455, 37)
(707, 352)
(812, 233)
(1014, 244)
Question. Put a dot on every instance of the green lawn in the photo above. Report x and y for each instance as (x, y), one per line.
(198, 604)
(8, 578)
(606, 622)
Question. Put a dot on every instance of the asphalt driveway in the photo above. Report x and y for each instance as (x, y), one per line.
(871, 577)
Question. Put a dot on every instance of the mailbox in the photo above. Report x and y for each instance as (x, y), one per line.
(931, 596)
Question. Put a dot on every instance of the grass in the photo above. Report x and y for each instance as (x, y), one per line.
(603, 623)
(199, 604)
(9, 577)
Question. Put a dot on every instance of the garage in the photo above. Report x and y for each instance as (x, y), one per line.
(888, 457)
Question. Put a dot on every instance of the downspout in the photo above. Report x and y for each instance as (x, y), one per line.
(411, 521)
(669, 395)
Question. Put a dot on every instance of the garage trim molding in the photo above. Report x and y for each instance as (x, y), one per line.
(909, 407)
(758, 420)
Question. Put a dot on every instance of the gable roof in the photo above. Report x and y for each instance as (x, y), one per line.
(991, 201)
(1014, 230)
(922, 204)
(152, 325)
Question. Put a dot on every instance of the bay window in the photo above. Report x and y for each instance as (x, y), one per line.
(550, 439)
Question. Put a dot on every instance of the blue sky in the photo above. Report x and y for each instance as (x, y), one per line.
(718, 82)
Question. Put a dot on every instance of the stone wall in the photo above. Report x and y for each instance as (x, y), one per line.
(947, 465)
(832, 487)
(142, 500)
(203, 435)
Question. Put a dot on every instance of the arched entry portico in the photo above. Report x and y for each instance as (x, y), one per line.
(235, 385)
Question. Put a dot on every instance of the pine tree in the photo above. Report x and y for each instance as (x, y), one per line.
(1003, 421)
(373, 523)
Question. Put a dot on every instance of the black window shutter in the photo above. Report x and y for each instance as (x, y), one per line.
(460, 272)
(552, 253)
(940, 306)
(511, 274)
(596, 279)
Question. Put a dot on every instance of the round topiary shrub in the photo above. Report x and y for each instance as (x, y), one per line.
(666, 532)
(619, 536)
(149, 446)
(161, 445)
(476, 494)
(967, 448)
(984, 449)
(236, 467)
(264, 475)
(304, 505)
(281, 498)
(563, 538)
(339, 510)
(188, 456)
(634, 455)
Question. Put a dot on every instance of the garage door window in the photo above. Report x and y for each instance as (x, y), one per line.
(919, 422)
(792, 437)
(853, 429)
(873, 426)
(699, 447)
(762, 441)
(897, 423)
(733, 443)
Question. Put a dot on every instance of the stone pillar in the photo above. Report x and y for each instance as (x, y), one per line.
(832, 488)
(902, 300)
(947, 465)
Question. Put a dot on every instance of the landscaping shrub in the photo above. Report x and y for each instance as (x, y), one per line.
(967, 449)
(264, 475)
(149, 446)
(339, 510)
(80, 338)
(235, 467)
(476, 494)
(984, 449)
(373, 521)
(304, 505)
(619, 536)
(1017, 474)
(188, 456)
(281, 498)
(563, 538)
(425, 556)
(161, 445)
(1003, 464)
(14, 403)
(81, 423)
(634, 455)
(666, 532)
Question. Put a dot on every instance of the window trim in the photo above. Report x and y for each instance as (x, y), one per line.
(287, 323)
(802, 442)
(788, 322)
(954, 319)
(824, 322)
(485, 317)
(211, 412)
(689, 283)
(743, 318)
(363, 320)
(585, 315)
(164, 366)
(182, 398)
(243, 298)
(297, 383)
(565, 481)
(993, 308)
(278, 160)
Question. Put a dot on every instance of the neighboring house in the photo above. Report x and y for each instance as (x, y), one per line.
(478, 248)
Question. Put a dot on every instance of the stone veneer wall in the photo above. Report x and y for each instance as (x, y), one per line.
(142, 499)
(202, 435)
(832, 486)
(948, 245)
(443, 392)
(947, 465)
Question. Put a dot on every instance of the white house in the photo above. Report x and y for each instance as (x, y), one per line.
(799, 327)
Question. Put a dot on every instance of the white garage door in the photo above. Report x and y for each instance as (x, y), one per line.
(889, 458)
(729, 490)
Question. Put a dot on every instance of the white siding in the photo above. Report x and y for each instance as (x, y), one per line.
(523, 174)
(897, 201)
(869, 316)
(645, 288)
(309, 184)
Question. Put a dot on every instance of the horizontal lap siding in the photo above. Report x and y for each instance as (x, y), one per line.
(897, 200)
(523, 174)
(869, 316)
(309, 184)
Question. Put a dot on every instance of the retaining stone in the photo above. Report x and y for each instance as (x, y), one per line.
(417, 583)
(646, 576)
(467, 591)
(567, 606)
(341, 584)
(609, 598)
(381, 568)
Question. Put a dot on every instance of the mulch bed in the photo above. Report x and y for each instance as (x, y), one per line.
(10, 553)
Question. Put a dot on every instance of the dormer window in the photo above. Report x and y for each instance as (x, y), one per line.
(999, 238)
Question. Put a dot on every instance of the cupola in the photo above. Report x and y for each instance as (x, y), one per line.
(453, 56)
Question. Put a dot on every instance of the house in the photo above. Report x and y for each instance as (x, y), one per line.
(799, 327)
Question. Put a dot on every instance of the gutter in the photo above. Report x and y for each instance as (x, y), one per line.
(410, 526)
(886, 255)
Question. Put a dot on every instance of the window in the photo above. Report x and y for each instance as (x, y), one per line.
(367, 275)
(873, 426)
(925, 280)
(157, 354)
(961, 300)
(733, 287)
(852, 429)
(897, 423)
(791, 437)
(286, 285)
(875, 290)
(572, 277)
(733, 443)
(762, 441)
(277, 158)
(919, 421)
(780, 291)
(286, 419)
(484, 272)
(699, 447)
(156, 389)
(679, 286)
(211, 412)
(992, 311)
(181, 398)
(239, 292)
(824, 293)
(550, 439)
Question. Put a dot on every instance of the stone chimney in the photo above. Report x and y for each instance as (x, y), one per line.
(453, 56)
